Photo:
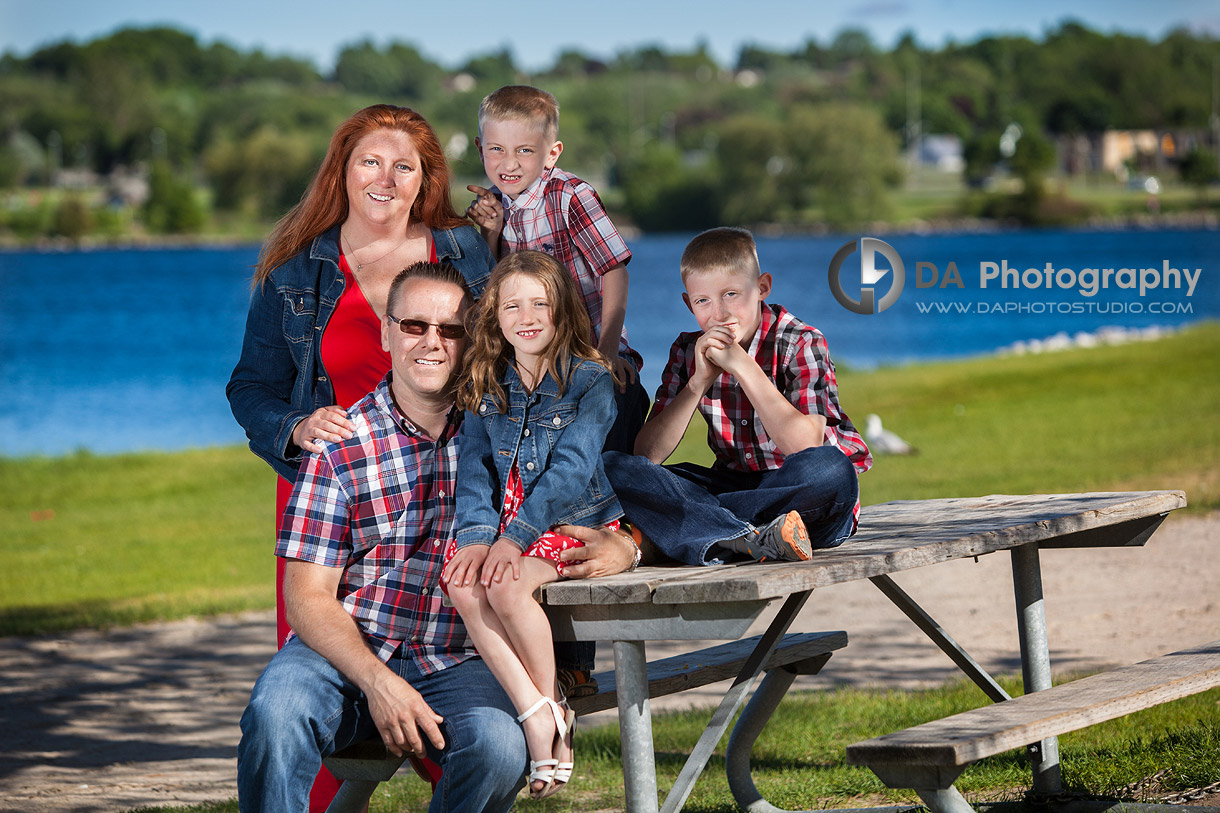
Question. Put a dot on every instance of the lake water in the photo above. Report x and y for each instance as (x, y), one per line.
(123, 350)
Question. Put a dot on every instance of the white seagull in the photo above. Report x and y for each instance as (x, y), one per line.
(883, 441)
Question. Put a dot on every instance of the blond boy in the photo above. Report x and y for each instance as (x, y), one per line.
(787, 457)
(533, 204)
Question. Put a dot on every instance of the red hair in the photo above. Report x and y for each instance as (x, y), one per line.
(324, 203)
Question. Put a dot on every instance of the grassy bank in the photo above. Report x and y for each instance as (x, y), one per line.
(97, 541)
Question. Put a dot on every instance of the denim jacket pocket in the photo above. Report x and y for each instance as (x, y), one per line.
(300, 314)
(555, 418)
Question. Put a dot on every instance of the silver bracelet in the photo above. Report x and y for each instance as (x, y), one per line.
(639, 554)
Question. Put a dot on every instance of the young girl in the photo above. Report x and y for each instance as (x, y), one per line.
(540, 401)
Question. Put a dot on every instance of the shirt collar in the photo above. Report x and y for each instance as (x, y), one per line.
(531, 198)
(547, 386)
(386, 404)
(765, 325)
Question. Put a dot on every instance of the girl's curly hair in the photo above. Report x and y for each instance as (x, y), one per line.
(489, 353)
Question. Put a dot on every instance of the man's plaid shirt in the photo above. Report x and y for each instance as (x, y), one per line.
(381, 506)
(795, 357)
(562, 215)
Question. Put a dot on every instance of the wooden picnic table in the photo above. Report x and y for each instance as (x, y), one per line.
(719, 603)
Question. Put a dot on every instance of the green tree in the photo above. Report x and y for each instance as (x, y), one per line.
(397, 72)
(72, 218)
(172, 206)
(1199, 169)
(844, 160)
(664, 195)
(751, 156)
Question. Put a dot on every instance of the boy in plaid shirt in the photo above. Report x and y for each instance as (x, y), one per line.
(787, 456)
(533, 204)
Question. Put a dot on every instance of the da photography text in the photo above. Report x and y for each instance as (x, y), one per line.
(995, 276)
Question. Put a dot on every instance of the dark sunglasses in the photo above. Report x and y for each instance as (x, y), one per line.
(417, 327)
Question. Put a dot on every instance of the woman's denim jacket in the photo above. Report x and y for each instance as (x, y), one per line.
(279, 379)
(556, 441)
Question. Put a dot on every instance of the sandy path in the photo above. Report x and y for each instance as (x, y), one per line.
(148, 716)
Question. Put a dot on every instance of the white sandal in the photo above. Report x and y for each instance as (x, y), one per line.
(563, 770)
(546, 770)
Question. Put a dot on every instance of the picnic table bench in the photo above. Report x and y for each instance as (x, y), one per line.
(928, 758)
(720, 603)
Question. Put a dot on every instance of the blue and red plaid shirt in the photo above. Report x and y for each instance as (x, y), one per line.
(795, 357)
(563, 216)
(381, 506)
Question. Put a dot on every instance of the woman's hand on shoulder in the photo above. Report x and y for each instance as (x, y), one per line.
(463, 569)
(329, 423)
(503, 558)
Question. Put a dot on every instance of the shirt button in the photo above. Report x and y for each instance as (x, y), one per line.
(435, 542)
(748, 455)
(441, 493)
(482, 409)
(744, 422)
(557, 420)
(529, 466)
(527, 433)
(425, 591)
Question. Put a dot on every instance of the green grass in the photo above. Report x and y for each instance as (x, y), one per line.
(798, 761)
(99, 541)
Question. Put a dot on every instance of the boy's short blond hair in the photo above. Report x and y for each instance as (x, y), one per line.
(725, 249)
(525, 104)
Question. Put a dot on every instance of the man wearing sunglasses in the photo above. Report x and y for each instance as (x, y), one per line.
(375, 651)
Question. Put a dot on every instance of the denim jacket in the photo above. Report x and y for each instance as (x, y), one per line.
(556, 441)
(279, 379)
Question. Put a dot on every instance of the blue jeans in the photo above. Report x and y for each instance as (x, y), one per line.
(686, 509)
(302, 709)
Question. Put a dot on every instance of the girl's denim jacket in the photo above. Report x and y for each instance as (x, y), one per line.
(279, 379)
(556, 441)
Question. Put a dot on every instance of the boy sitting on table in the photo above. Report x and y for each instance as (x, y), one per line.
(787, 456)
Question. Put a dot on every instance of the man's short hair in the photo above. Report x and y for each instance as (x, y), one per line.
(725, 249)
(438, 272)
(523, 103)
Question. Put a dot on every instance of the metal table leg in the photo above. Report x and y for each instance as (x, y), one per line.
(1035, 658)
(635, 726)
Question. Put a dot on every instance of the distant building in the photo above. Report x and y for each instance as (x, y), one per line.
(940, 152)
(1120, 152)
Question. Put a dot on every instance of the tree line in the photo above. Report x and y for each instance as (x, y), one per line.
(674, 140)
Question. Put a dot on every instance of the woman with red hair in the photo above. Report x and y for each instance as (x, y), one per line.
(378, 203)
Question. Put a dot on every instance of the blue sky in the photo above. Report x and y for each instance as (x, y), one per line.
(449, 32)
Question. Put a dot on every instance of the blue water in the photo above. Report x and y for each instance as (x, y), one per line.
(123, 350)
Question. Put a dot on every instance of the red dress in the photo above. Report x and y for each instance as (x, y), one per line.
(354, 361)
(548, 546)
(353, 358)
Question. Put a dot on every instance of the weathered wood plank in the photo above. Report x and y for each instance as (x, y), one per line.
(972, 735)
(892, 537)
(695, 669)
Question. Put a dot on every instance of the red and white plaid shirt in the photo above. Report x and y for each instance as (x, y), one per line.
(795, 357)
(381, 506)
(563, 216)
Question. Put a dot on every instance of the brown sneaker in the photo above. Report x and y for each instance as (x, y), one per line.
(576, 683)
(783, 538)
